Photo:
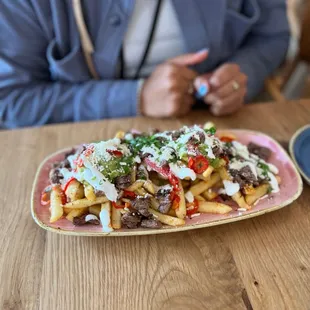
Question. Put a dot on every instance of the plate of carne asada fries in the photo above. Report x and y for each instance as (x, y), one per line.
(163, 181)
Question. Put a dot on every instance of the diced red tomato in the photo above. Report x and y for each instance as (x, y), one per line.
(89, 150)
(176, 202)
(174, 181)
(117, 206)
(129, 194)
(68, 183)
(192, 207)
(227, 139)
(116, 153)
(199, 164)
(79, 162)
(45, 196)
(164, 171)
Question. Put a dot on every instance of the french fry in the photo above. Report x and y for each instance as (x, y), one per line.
(116, 218)
(172, 212)
(90, 193)
(202, 186)
(248, 190)
(75, 213)
(154, 203)
(209, 194)
(238, 198)
(85, 203)
(181, 210)
(200, 198)
(260, 191)
(186, 184)
(56, 204)
(213, 207)
(148, 185)
(133, 187)
(141, 191)
(105, 217)
(133, 174)
(67, 210)
(75, 190)
(226, 135)
(95, 209)
(120, 134)
(167, 219)
(207, 173)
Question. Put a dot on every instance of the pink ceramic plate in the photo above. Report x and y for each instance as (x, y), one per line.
(291, 188)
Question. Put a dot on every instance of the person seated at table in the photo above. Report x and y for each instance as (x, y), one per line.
(63, 61)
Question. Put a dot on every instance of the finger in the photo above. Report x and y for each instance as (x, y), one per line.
(187, 74)
(186, 106)
(224, 74)
(228, 88)
(190, 59)
(229, 105)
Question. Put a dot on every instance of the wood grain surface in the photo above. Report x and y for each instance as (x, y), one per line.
(260, 263)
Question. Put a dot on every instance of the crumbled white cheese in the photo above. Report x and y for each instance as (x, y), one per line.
(95, 178)
(222, 191)
(105, 220)
(195, 215)
(90, 217)
(182, 172)
(242, 209)
(189, 196)
(241, 149)
(231, 188)
(128, 136)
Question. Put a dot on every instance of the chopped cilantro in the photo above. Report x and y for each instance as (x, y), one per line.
(210, 131)
(265, 168)
(269, 190)
(93, 178)
(215, 163)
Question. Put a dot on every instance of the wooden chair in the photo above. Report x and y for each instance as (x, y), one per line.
(289, 84)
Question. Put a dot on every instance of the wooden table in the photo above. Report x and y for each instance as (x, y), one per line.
(260, 263)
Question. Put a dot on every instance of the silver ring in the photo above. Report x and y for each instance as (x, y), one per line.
(235, 85)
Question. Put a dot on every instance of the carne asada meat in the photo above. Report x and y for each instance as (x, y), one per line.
(164, 199)
(142, 205)
(261, 151)
(123, 181)
(151, 223)
(55, 176)
(244, 176)
(131, 220)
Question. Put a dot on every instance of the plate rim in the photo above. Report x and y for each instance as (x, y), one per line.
(174, 229)
(292, 153)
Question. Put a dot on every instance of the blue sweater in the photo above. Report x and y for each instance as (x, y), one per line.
(44, 78)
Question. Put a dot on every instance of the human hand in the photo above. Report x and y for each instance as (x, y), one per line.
(168, 91)
(224, 89)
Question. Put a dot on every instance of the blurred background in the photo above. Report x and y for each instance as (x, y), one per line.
(292, 80)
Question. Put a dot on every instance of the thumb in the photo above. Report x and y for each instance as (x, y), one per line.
(191, 58)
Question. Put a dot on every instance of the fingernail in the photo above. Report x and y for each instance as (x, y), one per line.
(204, 50)
(203, 90)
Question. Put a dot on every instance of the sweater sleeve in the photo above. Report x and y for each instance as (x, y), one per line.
(28, 94)
(266, 45)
